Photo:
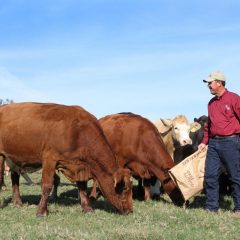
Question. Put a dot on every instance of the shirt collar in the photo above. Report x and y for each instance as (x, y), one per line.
(224, 93)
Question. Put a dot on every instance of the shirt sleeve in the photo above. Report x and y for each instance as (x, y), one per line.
(206, 134)
(236, 107)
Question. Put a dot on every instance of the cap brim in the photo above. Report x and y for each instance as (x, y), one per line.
(205, 81)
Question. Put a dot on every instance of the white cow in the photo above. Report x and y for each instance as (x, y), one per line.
(175, 134)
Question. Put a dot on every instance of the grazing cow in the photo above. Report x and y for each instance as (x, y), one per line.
(139, 147)
(66, 138)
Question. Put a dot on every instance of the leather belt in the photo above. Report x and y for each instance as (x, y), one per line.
(229, 136)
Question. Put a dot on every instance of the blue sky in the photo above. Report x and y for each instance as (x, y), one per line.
(143, 56)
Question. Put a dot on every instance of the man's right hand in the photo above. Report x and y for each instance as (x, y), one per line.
(201, 146)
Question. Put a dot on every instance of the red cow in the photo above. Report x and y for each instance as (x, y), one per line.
(139, 147)
(65, 138)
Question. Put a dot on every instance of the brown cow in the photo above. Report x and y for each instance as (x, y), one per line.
(139, 147)
(66, 138)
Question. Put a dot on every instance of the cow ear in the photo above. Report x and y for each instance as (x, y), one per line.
(117, 177)
(122, 181)
(194, 127)
(115, 182)
(167, 122)
(121, 175)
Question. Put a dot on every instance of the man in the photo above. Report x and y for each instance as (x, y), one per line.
(222, 135)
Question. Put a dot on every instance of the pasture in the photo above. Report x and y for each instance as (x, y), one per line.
(151, 220)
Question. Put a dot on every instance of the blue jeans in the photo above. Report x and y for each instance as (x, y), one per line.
(222, 151)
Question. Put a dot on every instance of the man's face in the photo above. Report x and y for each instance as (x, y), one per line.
(213, 87)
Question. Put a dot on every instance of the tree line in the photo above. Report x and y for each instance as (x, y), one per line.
(6, 101)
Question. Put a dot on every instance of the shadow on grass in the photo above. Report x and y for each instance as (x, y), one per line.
(138, 194)
(70, 197)
(199, 202)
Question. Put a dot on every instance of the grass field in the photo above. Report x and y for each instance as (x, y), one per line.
(150, 220)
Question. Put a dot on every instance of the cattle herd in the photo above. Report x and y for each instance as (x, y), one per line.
(110, 150)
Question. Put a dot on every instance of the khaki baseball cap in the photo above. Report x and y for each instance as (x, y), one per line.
(216, 75)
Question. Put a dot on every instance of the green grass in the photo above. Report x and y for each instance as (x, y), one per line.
(150, 220)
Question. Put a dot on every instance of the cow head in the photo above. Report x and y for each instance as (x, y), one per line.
(180, 129)
(123, 187)
(197, 132)
(172, 190)
(202, 120)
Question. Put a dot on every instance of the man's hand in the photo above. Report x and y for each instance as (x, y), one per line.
(201, 146)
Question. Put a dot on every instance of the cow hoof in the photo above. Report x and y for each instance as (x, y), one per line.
(42, 215)
(17, 204)
(146, 199)
(87, 210)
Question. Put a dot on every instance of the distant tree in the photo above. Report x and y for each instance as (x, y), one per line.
(6, 101)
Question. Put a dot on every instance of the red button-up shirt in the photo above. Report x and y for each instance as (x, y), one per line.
(224, 116)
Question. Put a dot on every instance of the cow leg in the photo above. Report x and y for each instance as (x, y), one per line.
(85, 202)
(2, 185)
(56, 183)
(95, 191)
(6, 169)
(48, 172)
(139, 192)
(155, 188)
(16, 198)
(46, 190)
(140, 186)
(146, 186)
